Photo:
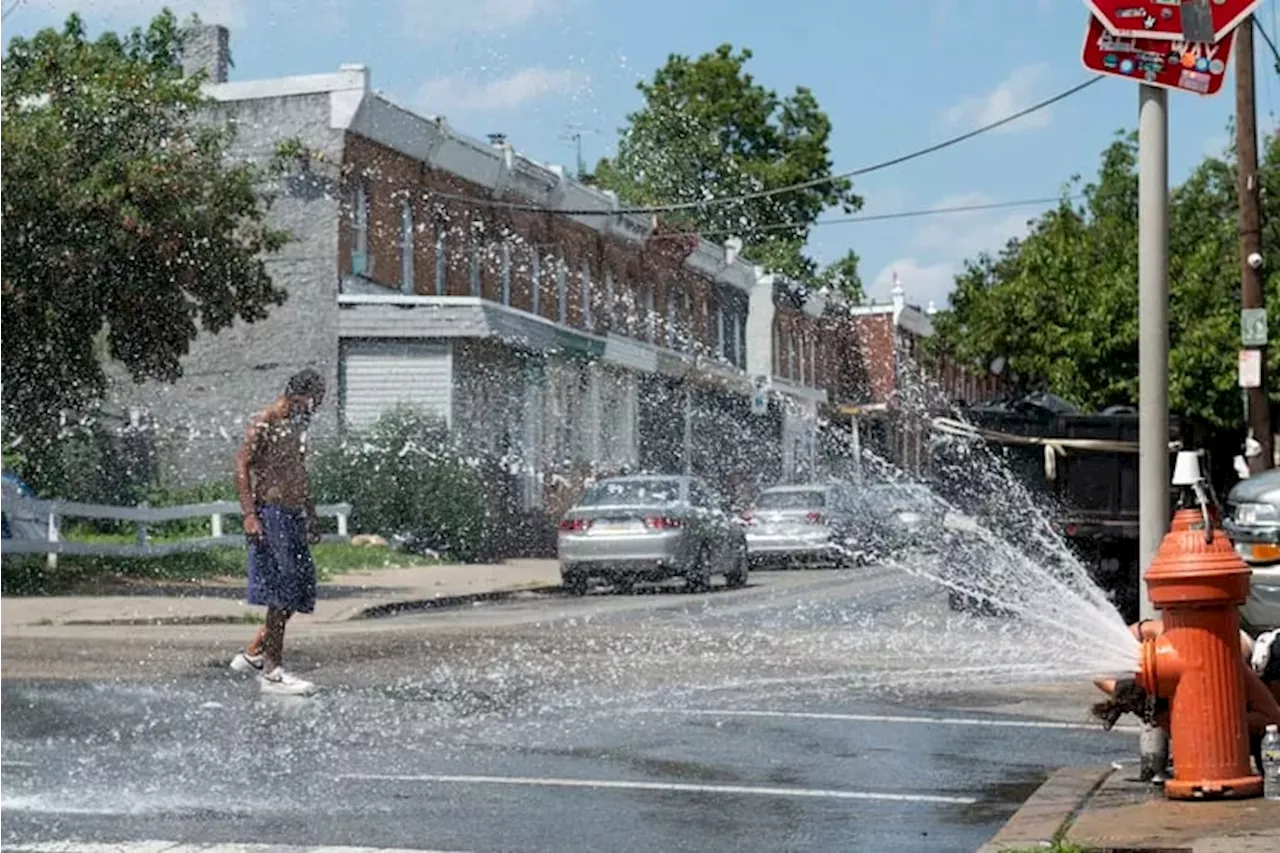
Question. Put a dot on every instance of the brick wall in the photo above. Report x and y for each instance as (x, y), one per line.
(391, 178)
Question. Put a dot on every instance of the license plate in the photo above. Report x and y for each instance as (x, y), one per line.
(612, 528)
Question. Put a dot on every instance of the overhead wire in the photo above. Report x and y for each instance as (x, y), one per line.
(12, 7)
(776, 191)
(881, 217)
(1266, 36)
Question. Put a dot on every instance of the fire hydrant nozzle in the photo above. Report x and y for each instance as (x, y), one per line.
(1198, 581)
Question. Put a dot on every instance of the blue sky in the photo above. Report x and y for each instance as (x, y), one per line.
(894, 76)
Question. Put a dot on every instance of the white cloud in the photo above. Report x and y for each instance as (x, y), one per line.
(432, 20)
(942, 244)
(446, 95)
(921, 282)
(1016, 92)
(963, 235)
(125, 14)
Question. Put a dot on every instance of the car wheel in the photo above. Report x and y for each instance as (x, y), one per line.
(736, 577)
(575, 583)
(697, 578)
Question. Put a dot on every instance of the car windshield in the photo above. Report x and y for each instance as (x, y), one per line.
(792, 500)
(632, 493)
(896, 498)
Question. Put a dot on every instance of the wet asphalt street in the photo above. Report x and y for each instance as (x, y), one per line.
(797, 714)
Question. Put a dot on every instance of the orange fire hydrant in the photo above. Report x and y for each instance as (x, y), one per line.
(1198, 581)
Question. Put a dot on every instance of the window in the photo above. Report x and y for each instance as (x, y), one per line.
(473, 274)
(562, 290)
(610, 306)
(722, 350)
(671, 318)
(791, 356)
(441, 260)
(801, 358)
(406, 247)
(686, 326)
(588, 322)
(506, 272)
(813, 360)
(650, 316)
(535, 281)
(360, 264)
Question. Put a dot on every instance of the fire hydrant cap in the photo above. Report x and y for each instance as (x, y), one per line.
(1188, 570)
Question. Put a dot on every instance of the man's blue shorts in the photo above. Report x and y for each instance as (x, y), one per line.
(281, 573)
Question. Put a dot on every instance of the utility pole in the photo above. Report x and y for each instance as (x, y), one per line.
(1257, 404)
(1153, 330)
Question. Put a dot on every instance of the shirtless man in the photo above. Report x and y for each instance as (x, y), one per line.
(279, 523)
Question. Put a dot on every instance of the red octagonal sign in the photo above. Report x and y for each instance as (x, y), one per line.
(1174, 20)
(1180, 65)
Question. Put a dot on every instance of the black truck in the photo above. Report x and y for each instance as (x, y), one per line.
(1090, 486)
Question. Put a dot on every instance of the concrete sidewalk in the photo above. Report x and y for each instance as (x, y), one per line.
(343, 597)
(1108, 809)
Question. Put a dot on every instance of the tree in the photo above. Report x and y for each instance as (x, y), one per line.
(1061, 304)
(709, 130)
(842, 276)
(126, 229)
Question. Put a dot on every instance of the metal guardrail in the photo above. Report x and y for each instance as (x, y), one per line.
(143, 517)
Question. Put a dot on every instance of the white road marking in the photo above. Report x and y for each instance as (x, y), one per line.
(885, 718)
(179, 847)
(686, 787)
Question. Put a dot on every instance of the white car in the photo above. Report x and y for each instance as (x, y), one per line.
(1252, 524)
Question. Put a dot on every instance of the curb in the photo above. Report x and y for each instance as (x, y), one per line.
(381, 610)
(417, 605)
(1049, 811)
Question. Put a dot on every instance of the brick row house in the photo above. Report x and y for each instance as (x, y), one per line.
(889, 386)
(515, 304)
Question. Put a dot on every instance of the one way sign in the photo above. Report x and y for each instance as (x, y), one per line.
(1203, 21)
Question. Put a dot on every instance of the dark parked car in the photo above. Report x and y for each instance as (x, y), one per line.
(1252, 523)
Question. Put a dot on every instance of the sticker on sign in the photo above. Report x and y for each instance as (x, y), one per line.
(1172, 20)
(1184, 66)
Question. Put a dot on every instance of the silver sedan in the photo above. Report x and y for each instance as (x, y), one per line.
(631, 529)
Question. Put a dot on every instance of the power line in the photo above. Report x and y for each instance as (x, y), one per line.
(881, 217)
(816, 182)
(1262, 31)
(12, 6)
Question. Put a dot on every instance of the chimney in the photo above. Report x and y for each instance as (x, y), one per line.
(207, 48)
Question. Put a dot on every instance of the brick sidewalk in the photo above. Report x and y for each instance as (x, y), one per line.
(342, 597)
(1103, 808)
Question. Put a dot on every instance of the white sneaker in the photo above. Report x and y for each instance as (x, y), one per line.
(245, 662)
(284, 684)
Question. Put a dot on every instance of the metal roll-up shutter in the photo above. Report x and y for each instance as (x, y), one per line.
(379, 375)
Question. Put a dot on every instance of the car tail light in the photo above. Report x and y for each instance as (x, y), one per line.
(658, 522)
(1071, 530)
(815, 518)
(574, 525)
(748, 519)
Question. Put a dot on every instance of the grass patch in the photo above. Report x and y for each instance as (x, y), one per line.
(29, 575)
(1057, 847)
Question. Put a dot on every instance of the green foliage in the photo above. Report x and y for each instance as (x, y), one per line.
(1061, 304)
(709, 130)
(842, 276)
(127, 230)
(402, 477)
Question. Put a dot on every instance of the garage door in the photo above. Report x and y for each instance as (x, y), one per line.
(379, 375)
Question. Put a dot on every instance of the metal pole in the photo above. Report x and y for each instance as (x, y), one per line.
(1153, 329)
(1258, 415)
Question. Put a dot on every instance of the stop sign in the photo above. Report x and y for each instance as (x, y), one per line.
(1188, 20)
